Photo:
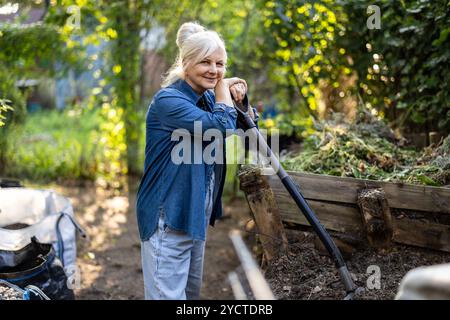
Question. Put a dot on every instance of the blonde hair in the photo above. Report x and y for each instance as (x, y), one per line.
(195, 43)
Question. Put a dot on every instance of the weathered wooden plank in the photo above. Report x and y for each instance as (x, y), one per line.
(265, 212)
(346, 219)
(344, 190)
(376, 217)
(334, 200)
(422, 234)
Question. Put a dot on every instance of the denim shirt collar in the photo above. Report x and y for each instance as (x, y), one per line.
(184, 87)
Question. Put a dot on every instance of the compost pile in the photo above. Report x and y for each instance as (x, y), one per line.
(309, 274)
(367, 148)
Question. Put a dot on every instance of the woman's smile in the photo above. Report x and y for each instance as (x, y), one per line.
(205, 74)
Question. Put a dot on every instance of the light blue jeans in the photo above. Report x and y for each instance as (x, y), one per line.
(172, 261)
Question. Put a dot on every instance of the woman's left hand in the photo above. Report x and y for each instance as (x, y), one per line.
(238, 92)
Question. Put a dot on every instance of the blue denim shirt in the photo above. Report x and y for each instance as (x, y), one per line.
(179, 190)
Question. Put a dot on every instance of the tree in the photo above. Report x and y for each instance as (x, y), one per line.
(403, 67)
(123, 24)
(304, 50)
(28, 50)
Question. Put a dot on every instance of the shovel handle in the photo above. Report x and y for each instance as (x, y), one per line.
(242, 109)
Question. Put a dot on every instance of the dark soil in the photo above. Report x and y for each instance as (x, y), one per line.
(309, 274)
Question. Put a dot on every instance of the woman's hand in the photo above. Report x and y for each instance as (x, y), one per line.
(224, 87)
(233, 81)
(238, 91)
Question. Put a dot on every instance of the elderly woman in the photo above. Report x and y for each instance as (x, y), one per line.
(176, 201)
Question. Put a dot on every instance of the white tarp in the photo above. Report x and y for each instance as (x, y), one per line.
(41, 210)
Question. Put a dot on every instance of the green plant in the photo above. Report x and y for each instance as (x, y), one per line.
(55, 146)
(303, 47)
(368, 149)
(4, 107)
(402, 67)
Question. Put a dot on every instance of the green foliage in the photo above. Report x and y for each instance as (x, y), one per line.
(55, 146)
(31, 51)
(404, 66)
(28, 51)
(118, 25)
(4, 107)
(41, 45)
(15, 98)
(17, 102)
(368, 149)
(234, 152)
(285, 49)
(112, 142)
(303, 47)
(126, 20)
(289, 125)
(432, 167)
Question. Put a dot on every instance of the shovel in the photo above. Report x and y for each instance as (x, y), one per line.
(247, 122)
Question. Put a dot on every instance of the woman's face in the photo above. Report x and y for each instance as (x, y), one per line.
(205, 74)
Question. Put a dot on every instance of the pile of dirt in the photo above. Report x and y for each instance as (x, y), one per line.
(309, 274)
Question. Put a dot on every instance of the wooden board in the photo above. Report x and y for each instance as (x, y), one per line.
(420, 215)
(347, 220)
(332, 216)
(422, 234)
(344, 190)
(265, 213)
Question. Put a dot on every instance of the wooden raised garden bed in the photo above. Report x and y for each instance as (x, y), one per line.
(378, 213)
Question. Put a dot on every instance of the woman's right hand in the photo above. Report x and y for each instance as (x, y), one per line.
(222, 89)
(232, 81)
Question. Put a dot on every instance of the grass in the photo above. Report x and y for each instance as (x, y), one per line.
(54, 146)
